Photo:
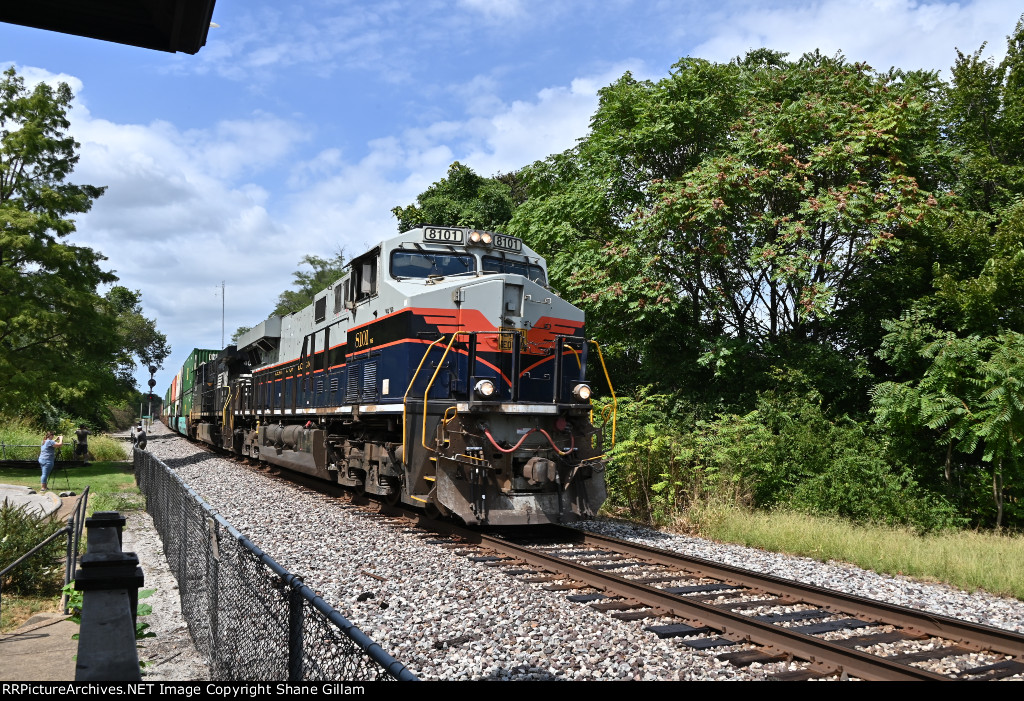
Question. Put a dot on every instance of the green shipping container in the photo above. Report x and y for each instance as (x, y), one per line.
(188, 375)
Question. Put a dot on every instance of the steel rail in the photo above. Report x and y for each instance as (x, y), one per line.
(932, 624)
(737, 626)
(825, 656)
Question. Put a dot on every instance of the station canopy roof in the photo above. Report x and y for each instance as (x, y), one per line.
(164, 25)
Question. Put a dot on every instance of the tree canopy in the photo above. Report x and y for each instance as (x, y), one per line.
(783, 253)
(61, 341)
(463, 198)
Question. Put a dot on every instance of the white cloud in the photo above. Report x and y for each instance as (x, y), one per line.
(494, 9)
(886, 33)
(33, 76)
(351, 203)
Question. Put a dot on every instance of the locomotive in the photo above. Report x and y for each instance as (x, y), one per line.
(440, 371)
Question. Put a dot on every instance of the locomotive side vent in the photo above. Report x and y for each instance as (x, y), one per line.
(370, 380)
(352, 389)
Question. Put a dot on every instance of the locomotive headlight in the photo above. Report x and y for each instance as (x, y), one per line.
(581, 392)
(484, 388)
(479, 237)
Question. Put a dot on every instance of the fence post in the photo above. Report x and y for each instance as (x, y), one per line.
(295, 628)
(110, 581)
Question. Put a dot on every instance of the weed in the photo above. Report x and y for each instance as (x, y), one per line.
(75, 606)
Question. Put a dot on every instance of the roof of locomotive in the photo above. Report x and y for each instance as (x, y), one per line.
(427, 240)
(459, 239)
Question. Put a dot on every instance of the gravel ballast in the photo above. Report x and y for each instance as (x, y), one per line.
(448, 618)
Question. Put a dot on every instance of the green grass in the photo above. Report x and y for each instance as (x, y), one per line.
(111, 488)
(18, 432)
(966, 559)
(112, 484)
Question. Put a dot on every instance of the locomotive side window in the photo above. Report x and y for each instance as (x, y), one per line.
(339, 296)
(362, 283)
(493, 264)
(419, 264)
(320, 309)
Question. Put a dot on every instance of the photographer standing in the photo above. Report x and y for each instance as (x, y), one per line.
(47, 456)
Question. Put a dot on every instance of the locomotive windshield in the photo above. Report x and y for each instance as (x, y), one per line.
(424, 264)
(493, 264)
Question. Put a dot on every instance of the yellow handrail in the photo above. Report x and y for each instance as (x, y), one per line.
(224, 414)
(615, 401)
(426, 393)
(405, 405)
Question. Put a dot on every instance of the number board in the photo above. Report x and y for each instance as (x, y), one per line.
(509, 243)
(506, 338)
(442, 234)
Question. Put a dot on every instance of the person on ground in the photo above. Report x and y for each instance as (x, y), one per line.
(82, 446)
(47, 456)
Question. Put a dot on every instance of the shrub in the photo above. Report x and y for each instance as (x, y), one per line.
(107, 449)
(22, 530)
(786, 453)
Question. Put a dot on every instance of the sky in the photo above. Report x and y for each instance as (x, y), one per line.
(301, 124)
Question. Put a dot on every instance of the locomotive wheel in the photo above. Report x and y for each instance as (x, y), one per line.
(394, 498)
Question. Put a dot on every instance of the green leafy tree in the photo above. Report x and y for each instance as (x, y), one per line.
(324, 272)
(50, 313)
(984, 111)
(970, 396)
(463, 198)
(731, 209)
(999, 418)
(62, 344)
(139, 339)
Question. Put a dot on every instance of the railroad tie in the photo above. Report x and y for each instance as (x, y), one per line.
(878, 639)
(990, 672)
(934, 654)
(745, 658)
(677, 630)
(638, 615)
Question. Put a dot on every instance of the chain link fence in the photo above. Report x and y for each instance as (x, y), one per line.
(251, 618)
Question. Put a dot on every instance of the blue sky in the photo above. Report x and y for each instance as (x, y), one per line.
(300, 124)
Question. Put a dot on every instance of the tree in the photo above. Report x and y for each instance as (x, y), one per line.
(984, 111)
(239, 332)
(138, 336)
(61, 342)
(463, 198)
(325, 272)
(737, 205)
(970, 398)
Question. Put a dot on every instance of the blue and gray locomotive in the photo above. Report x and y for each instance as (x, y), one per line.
(440, 371)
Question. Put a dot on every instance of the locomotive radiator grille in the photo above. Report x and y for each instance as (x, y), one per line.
(370, 380)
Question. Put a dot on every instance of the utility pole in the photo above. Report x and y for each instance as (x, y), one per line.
(222, 314)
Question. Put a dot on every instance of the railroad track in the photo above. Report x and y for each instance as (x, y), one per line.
(741, 616)
(749, 617)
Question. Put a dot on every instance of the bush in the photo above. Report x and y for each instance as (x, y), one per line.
(785, 453)
(22, 530)
(107, 449)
